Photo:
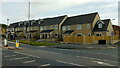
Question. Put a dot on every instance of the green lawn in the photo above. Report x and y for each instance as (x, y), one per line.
(34, 43)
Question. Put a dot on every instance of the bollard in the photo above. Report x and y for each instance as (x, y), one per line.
(5, 43)
(17, 44)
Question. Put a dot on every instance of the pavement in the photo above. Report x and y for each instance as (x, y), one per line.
(52, 57)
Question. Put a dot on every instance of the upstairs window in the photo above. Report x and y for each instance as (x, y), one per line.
(24, 23)
(44, 27)
(55, 26)
(64, 28)
(100, 25)
(79, 27)
(19, 24)
(41, 28)
(68, 27)
(88, 25)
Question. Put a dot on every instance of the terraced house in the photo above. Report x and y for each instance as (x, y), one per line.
(80, 25)
(50, 28)
(33, 29)
(87, 29)
(84, 29)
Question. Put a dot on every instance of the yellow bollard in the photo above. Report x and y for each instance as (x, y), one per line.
(17, 44)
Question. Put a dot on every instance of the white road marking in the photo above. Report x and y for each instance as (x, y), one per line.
(77, 56)
(103, 63)
(98, 59)
(45, 65)
(19, 58)
(9, 55)
(49, 52)
(27, 54)
(68, 63)
(29, 61)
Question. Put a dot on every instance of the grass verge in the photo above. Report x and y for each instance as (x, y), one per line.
(35, 43)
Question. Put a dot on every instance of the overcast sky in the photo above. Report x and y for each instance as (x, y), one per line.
(18, 10)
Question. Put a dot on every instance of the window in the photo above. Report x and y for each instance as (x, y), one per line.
(79, 34)
(24, 23)
(41, 28)
(68, 27)
(31, 23)
(55, 26)
(39, 22)
(100, 25)
(88, 25)
(98, 34)
(64, 28)
(52, 27)
(19, 24)
(79, 27)
(44, 27)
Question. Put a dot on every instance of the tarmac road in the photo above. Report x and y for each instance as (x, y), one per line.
(46, 56)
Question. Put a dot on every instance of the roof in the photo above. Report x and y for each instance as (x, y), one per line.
(68, 32)
(13, 25)
(116, 27)
(46, 31)
(80, 19)
(52, 21)
(104, 26)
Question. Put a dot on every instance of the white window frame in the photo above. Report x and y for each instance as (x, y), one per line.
(68, 27)
(19, 24)
(100, 25)
(79, 27)
(64, 28)
(44, 28)
(52, 27)
(41, 28)
(55, 26)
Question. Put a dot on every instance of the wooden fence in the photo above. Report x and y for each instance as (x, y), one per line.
(89, 39)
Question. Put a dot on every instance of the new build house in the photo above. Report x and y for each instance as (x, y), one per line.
(83, 29)
(80, 25)
(50, 28)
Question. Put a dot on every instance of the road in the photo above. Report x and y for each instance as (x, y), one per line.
(45, 57)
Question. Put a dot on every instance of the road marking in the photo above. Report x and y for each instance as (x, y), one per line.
(9, 55)
(19, 58)
(68, 63)
(29, 61)
(27, 54)
(103, 63)
(98, 59)
(49, 52)
(46, 65)
(77, 56)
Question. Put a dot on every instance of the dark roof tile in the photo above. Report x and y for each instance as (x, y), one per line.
(80, 19)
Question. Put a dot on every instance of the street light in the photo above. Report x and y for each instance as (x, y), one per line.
(7, 28)
(28, 19)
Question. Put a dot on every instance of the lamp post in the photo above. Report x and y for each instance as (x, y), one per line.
(28, 19)
(7, 28)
